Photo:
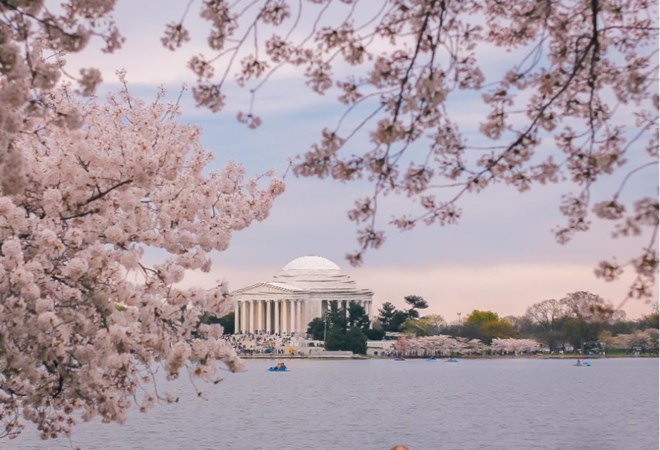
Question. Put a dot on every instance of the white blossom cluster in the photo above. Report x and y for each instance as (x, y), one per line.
(444, 345)
(438, 345)
(648, 339)
(514, 346)
(85, 321)
(33, 42)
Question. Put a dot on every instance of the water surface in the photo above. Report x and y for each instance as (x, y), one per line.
(374, 404)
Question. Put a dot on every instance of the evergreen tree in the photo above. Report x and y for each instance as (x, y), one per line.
(335, 339)
(357, 317)
(416, 302)
(356, 341)
(346, 329)
(398, 320)
(386, 315)
(316, 329)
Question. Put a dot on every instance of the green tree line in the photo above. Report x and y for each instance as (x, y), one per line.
(581, 320)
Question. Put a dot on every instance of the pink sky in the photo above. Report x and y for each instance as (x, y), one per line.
(501, 257)
(506, 289)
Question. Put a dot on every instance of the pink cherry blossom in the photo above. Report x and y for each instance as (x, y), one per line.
(83, 316)
(85, 189)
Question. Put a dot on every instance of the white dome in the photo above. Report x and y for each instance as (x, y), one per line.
(311, 263)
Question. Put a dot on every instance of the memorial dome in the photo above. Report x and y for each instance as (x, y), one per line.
(311, 263)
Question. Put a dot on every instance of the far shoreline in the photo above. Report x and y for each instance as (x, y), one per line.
(441, 358)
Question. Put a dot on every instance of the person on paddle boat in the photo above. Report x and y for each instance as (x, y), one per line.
(280, 366)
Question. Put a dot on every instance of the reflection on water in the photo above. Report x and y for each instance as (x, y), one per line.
(374, 404)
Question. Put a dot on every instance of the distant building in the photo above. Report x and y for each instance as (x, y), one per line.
(295, 296)
(380, 348)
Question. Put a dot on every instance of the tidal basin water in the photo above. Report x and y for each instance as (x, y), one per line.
(374, 404)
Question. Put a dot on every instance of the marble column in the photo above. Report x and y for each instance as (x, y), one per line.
(292, 313)
(299, 322)
(244, 317)
(251, 321)
(276, 305)
(289, 316)
(260, 315)
(237, 317)
(296, 317)
(269, 328)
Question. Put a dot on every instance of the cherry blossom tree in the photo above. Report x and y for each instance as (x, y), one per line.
(646, 339)
(86, 319)
(85, 187)
(576, 102)
(515, 346)
(437, 345)
(33, 41)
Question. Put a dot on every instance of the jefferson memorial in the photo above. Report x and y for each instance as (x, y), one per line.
(295, 296)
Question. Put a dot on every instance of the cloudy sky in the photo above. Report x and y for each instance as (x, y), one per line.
(502, 255)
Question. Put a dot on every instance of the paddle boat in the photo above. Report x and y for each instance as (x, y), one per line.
(454, 360)
(432, 359)
(582, 363)
(398, 358)
(279, 367)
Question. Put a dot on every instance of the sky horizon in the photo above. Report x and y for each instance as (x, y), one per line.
(502, 256)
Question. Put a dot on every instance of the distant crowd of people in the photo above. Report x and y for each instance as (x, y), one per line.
(270, 343)
(261, 343)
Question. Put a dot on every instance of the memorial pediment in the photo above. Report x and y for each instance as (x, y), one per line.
(266, 288)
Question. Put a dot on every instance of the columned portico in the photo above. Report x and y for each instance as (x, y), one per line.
(301, 292)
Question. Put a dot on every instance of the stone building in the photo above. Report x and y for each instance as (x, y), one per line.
(295, 296)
